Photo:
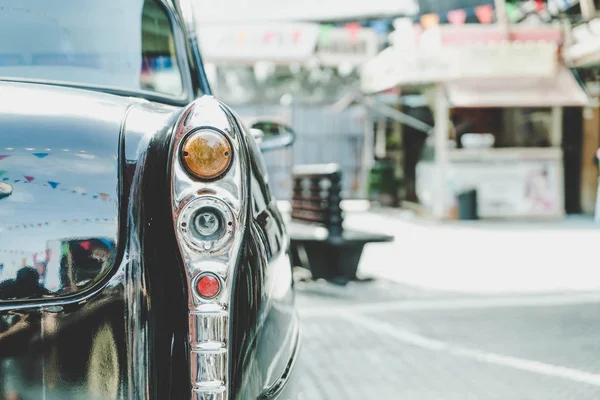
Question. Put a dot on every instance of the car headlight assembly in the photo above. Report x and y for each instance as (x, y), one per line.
(207, 224)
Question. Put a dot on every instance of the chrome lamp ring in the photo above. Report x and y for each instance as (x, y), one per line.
(187, 220)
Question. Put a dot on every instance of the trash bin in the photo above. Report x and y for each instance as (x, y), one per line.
(467, 205)
(383, 185)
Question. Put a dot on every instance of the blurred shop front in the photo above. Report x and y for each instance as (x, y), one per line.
(497, 94)
(581, 52)
(295, 71)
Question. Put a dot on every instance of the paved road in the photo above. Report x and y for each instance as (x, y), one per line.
(382, 340)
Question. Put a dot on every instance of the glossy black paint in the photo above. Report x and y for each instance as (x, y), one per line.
(265, 332)
(56, 334)
(123, 334)
(164, 277)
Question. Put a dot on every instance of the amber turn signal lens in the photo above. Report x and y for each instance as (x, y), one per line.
(206, 154)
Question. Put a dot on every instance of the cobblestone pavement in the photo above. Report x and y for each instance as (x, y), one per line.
(382, 340)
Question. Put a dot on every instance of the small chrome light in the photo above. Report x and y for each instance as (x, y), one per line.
(208, 285)
(206, 154)
(206, 224)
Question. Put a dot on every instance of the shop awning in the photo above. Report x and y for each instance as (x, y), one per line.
(448, 53)
(561, 90)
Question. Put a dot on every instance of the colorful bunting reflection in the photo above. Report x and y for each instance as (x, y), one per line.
(29, 179)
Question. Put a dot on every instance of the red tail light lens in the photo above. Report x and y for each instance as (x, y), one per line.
(208, 286)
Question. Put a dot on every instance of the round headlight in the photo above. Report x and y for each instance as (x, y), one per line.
(206, 154)
(209, 223)
(206, 224)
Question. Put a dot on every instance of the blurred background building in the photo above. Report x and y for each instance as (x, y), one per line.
(528, 147)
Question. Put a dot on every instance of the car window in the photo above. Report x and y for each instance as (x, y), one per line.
(124, 45)
(160, 71)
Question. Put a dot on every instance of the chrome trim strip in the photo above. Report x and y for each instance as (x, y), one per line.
(277, 387)
(209, 319)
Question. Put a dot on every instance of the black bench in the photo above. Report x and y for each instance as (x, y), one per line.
(319, 241)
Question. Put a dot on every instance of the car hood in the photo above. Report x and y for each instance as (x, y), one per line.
(59, 185)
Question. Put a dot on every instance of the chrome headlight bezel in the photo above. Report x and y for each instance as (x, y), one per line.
(186, 220)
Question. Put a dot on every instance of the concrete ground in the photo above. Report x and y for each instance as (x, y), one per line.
(458, 311)
(383, 340)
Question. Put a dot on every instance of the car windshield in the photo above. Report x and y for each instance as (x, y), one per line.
(126, 45)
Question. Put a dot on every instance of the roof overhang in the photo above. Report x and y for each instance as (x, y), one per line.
(449, 53)
(561, 90)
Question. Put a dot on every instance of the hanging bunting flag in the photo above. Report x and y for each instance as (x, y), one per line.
(41, 155)
(2, 172)
(242, 37)
(430, 20)
(296, 36)
(540, 6)
(54, 185)
(353, 28)
(2, 157)
(325, 34)
(485, 14)
(17, 180)
(457, 17)
(95, 196)
(29, 178)
(268, 36)
(380, 27)
(104, 196)
(5, 179)
(513, 12)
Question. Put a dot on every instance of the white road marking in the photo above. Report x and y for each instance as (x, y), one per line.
(455, 304)
(414, 339)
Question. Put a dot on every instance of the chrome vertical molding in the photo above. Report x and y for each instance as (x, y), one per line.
(209, 318)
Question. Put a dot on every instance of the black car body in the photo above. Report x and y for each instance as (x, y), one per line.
(101, 246)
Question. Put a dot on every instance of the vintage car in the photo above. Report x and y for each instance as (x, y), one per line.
(142, 255)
